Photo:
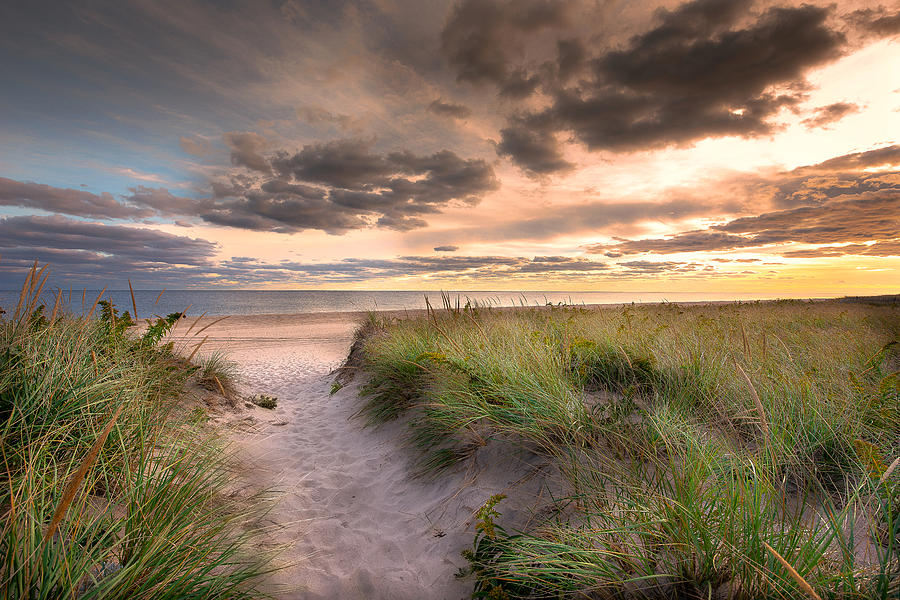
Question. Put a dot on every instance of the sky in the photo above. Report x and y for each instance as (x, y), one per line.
(739, 146)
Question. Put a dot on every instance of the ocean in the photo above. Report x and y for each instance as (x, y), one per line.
(255, 302)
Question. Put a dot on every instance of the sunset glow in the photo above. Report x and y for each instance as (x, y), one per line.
(711, 145)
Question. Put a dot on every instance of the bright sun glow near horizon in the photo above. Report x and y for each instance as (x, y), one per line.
(727, 146)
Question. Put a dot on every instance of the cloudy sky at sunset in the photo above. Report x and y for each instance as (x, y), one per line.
(484, 144)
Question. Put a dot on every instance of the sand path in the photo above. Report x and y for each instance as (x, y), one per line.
(354, 521)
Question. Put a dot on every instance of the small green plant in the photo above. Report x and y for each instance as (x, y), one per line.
(159, 328)
(491, 540)
(198, 416)
(114, 324)
(37, 319)
(336, 386)
(264, 401)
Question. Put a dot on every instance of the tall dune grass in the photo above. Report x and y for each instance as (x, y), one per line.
(724, 451)
(108, 491)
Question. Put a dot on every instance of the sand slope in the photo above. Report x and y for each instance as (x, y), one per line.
(355, 522)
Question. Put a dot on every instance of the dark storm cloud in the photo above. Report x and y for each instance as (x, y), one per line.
(481, 40)
(284, 210)
(67, 201)
(519, 84)
(571, 57)
(708, 68)
(348, 164)
(691, 77)
(343, 185)
(446, 248)
(449, 109)
(334, 187)
(533, 147)
(826, 115)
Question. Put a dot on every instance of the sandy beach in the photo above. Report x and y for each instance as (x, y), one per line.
(354, 521)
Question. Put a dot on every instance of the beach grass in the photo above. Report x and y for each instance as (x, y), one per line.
(109, 489)
(742, 450)
(217, 373)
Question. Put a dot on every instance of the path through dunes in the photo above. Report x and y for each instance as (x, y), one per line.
(356, 523)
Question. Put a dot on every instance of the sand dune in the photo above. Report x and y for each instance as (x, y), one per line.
(354, 520)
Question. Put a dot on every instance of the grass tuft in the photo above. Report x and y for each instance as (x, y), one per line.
(218, 374)
(109, 489)
(722, 451)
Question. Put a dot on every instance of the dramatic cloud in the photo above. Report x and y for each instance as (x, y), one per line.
(95, 252)
(334, 186)
(703, 71)
(284, 208)
(833, 202)
(826, 115)
(137, 244)
(434, 267)
(481, 39)
(449, 109)
(67, 201)
(692, 77)
(462, 268)
(863, 218)
(392, 122)
(343, 185)
(571, 57)
(878, 21)
(533, 147)
(163, 202)
(246, 150)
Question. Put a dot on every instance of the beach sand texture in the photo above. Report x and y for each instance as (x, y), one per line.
(354, 520)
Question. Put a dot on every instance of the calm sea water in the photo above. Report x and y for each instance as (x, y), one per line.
(247, 302)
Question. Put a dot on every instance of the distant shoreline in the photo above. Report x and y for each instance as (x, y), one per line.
(414, 312)
(322, 307)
